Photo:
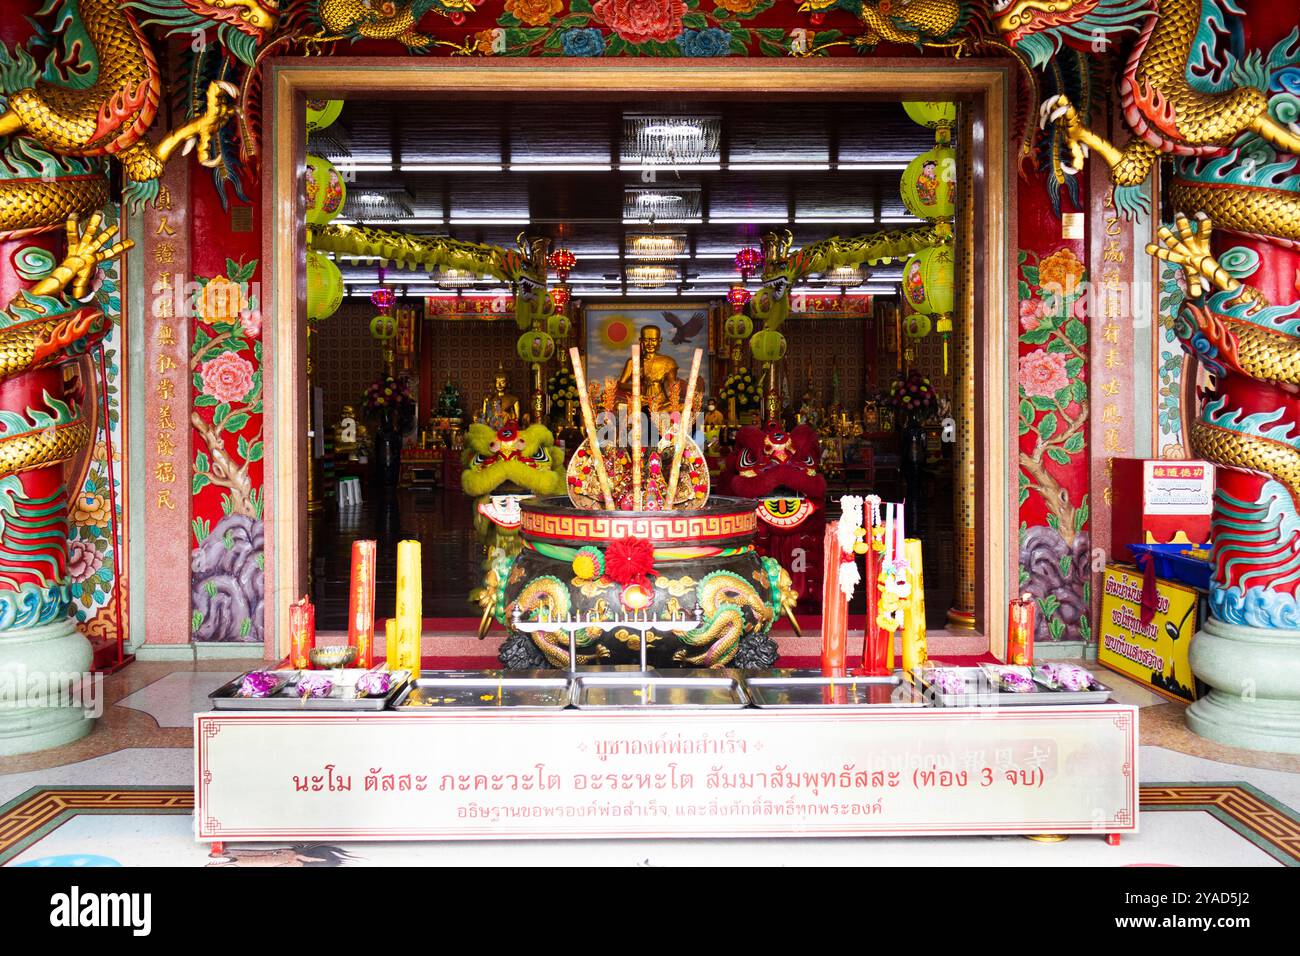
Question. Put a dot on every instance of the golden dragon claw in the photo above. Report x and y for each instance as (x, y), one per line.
(85, 252)
(200, 130)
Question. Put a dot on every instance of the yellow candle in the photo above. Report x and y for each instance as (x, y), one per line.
(409, 612)
(914, 649)
(390, 643)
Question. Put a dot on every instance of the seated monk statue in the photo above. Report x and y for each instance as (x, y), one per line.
(499, 405)
(658, 372)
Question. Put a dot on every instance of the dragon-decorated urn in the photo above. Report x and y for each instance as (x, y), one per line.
(690, 580)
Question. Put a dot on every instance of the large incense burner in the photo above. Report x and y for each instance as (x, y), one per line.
(691, 581)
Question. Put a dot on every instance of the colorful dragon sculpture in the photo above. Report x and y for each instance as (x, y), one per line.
(363, 20)
(1227, 116)
(783, 267)
(523, 267)
(781, 470)
(94, 96)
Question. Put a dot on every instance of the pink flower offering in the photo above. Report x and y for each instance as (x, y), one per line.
(314, 685)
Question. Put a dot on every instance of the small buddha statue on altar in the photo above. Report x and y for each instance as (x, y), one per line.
(810, 412)
(658, 372)
(349, 434)
(714, 423)
(499, 404)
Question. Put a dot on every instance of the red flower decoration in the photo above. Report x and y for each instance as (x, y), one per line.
(630, 561)
(637, 21)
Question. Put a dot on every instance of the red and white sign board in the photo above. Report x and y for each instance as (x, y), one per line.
(290, 776)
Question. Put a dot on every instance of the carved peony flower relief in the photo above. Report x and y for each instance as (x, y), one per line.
(227, 378)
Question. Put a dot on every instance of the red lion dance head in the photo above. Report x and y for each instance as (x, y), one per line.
(782, 469)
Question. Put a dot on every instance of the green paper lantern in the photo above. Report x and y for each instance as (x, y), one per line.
(929, 184)
(928, 280)
(535, 346)
(322, 113)
(932, 115)
(326, 191)
(383, 327)
(917, 325)
(768, 346)
(558, 325)
(324, 287)
(738, 326)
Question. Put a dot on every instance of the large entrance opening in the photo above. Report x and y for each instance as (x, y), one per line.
(655, 192)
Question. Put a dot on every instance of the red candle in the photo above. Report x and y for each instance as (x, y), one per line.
(1020, 630)
(302, 633)
(876, 640)
(361, 603)
(835, 609)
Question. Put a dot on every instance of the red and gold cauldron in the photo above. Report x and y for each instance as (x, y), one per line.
(690, 580)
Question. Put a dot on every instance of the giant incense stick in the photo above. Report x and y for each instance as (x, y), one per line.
(589, 420)
(636, 426)
(679, 443)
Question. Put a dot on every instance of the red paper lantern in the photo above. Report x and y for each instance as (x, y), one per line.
(560, 296)
(562, 262)
(383, 298)
(738, 296)
(748, 261)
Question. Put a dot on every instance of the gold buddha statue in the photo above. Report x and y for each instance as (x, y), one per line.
(350, 435)
(499, 403)
(658, 372)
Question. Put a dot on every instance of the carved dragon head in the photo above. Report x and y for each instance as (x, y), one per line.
(1039, 28)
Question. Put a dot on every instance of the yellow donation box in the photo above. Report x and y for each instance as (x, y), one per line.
(1154, 654)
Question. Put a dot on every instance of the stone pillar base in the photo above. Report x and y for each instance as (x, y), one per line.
(41, 674)
(1254, 675)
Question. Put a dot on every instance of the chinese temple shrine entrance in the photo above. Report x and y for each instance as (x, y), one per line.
(522, 152)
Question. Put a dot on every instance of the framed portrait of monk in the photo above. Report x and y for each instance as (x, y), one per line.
(669, 333)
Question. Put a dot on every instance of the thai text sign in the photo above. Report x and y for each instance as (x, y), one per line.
(1154, 654)
(282, 776)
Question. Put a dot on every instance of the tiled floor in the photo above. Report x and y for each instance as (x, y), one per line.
(143, 742)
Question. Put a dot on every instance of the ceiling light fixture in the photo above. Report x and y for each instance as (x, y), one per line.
(651, 205)
(451, 278)
(651, 276)
(451, 167)
(665, 138)
(656, 247)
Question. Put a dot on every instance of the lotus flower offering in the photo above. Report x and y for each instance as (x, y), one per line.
(314, 685)
(374, 683)
(947, 680)
(260, 684)
(1010, 678)
(1065, 677)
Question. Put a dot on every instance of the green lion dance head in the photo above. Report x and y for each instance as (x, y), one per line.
(502, 466)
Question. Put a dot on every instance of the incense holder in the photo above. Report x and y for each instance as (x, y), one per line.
(690, 581)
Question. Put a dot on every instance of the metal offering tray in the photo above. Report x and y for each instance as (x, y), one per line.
(639, 621)
(980, 691)
(801, 689)
(226, 697)
(479, 690)
(617, 689)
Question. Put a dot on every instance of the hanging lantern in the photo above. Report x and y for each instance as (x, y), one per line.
(929, 114)
(738, 326)
(325, 191)
(322, 113)
(383, 298)
(324, 287)
(739, 297)
(929, 184)
(928, 280)
(383, 327)
(562, 262)
(768, 346)
(557, 325)
(560, 296)
(916, 325)
(748, 261)
(535, 346)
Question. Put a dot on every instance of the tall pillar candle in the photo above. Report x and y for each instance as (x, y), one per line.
(302, 633)
(835, 609)
(914, 647)
(1020, 630)
(409, 613)
(361, 603)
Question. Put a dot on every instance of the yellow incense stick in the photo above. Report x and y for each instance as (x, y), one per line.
(636, 426)
(589, 420)
(679, 444)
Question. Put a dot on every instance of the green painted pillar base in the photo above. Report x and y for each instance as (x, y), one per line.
(42, 704)
(1254, 674)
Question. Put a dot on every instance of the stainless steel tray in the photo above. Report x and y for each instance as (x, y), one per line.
(778, 689)
(661, 690)
(477, 690)
(226, 697)
(981, 692)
